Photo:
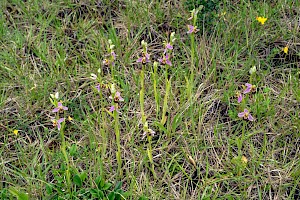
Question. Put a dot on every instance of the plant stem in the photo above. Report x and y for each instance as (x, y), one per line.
(144, 120)
(154, 77)
(103, 135)
(64, 152)
(142, 92)
(166, 98)
(150, 156)
(192, 57)
(118, 140)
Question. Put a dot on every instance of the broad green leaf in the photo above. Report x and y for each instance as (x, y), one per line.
(77, 180)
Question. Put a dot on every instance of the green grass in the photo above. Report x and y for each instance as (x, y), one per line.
(199, 141)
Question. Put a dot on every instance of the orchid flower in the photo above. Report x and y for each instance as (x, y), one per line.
(165, 60)
(112, 108)
(113, 54)
(59, 107)
(113, 57)
(250, 88)
(58, 122)
(106, 62)
(145, 58)
(192, 29)
(148, 131)
(239, 96)
(246, 115)
(117, 97)
(98, 87)
(168, 46)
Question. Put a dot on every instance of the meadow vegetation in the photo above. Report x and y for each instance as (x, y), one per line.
(151, 99)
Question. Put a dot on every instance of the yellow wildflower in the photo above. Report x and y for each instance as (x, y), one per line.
(262, 20)
(285, 49)
(16, 132)
(70, 118)
(244, 160)
(222, 14)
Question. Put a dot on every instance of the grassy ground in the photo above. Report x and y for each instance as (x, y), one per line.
(201, 149)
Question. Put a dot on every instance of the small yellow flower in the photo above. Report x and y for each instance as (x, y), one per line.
(262, 20)
(244, 159)
(16, 132)
(222, 15)
(285, 49)
(70, 118)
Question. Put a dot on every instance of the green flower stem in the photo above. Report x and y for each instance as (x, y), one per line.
(166, 98)
(190, 82)
(150, 156)
(144, 120)
(103, 135)
(192, 57)
(142, 92)
(103, 128)
(241, 139)
(156, 95)
(165, 106)
(64, 152)
(193, 50)
(112, 69)
(118, 139)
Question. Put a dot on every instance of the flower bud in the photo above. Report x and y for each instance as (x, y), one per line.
(252, 70)
(55, 96)
(144, 43)
(146, 125)
(93, 76)
(112, 89)
(111, 46)
(172, 37)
